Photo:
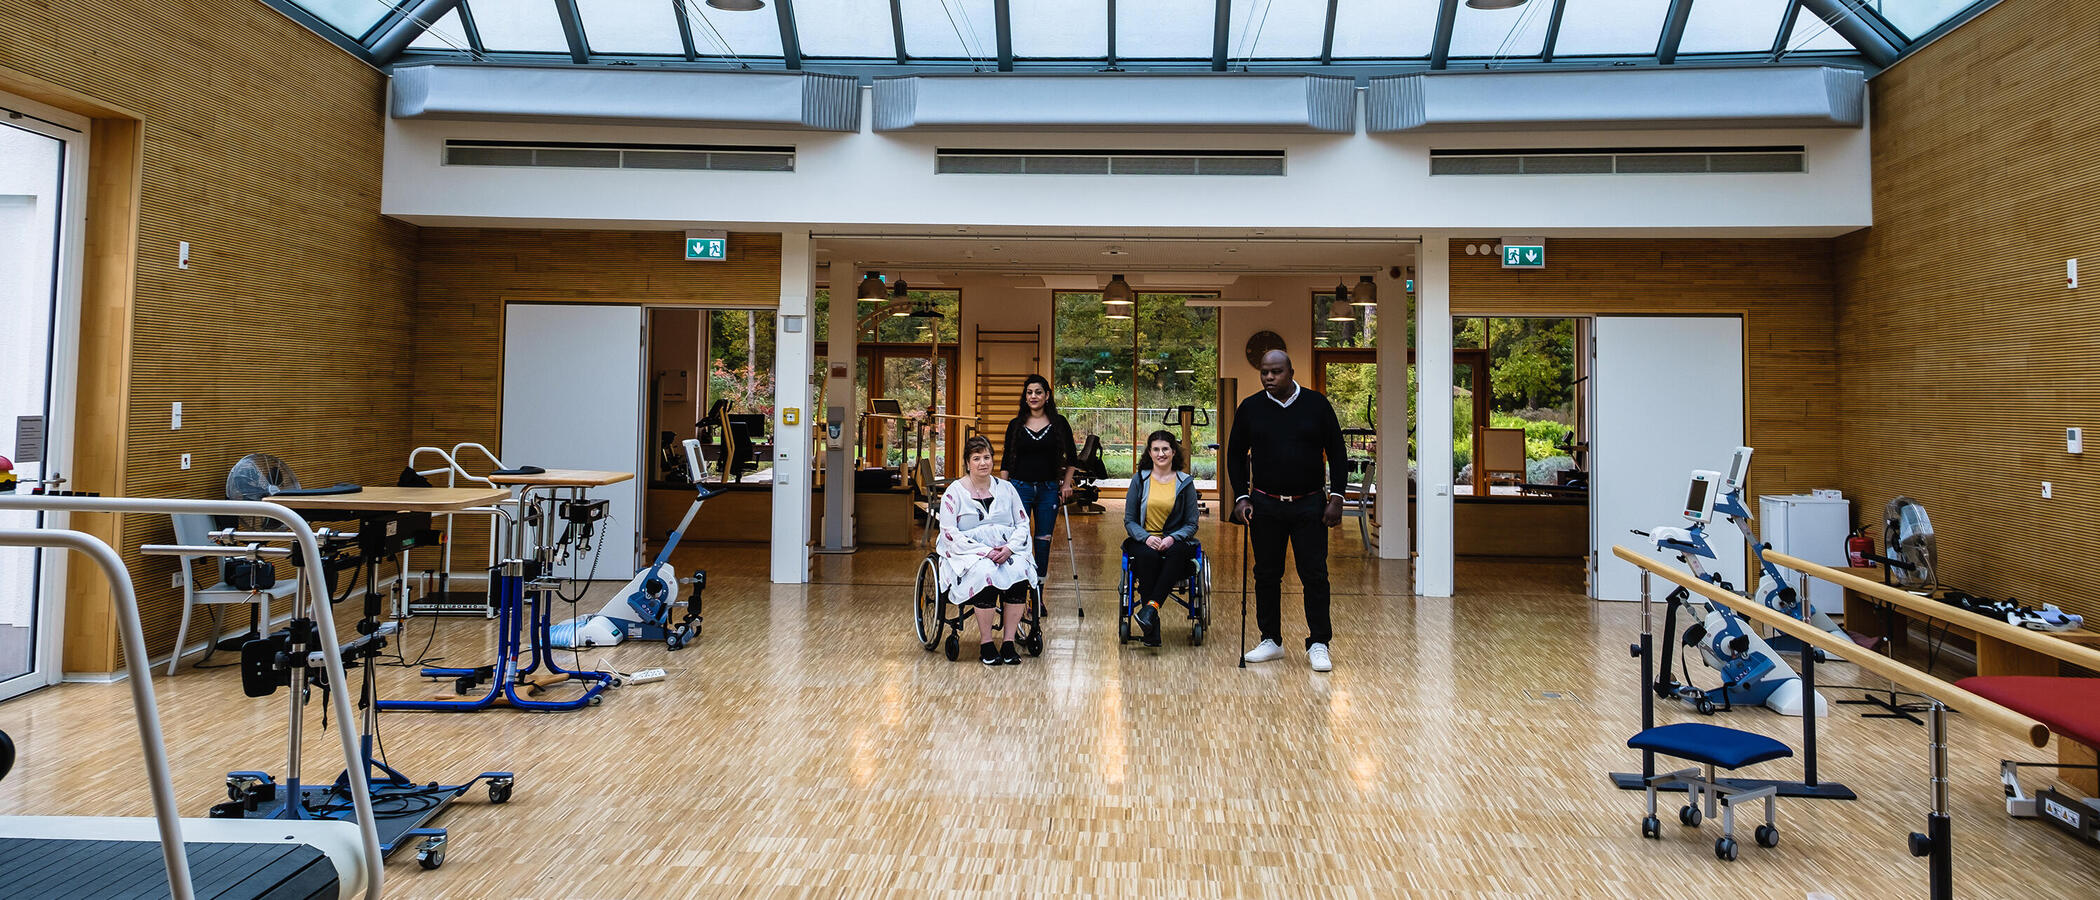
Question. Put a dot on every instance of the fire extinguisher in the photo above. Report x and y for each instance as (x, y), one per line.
(1859, 549)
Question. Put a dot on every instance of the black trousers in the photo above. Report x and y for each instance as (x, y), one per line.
(1298, 524)
(1157, 572)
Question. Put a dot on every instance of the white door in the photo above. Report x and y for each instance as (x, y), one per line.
(43, 161)
(1667, 398)
(572, 399)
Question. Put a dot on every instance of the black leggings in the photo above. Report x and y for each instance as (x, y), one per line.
(1158, 573)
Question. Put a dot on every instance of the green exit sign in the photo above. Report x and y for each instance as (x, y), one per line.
(1523, 256)
(706, 246)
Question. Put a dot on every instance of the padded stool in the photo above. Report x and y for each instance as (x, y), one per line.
(1710, 746)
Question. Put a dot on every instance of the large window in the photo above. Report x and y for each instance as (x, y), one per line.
(1120, 376)
(1516, 405)
(1345, 368)
(895, 347)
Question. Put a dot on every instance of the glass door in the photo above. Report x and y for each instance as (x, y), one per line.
(39, 265)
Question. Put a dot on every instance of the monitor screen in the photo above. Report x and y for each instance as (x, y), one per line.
(1695, 504)
(887, 406)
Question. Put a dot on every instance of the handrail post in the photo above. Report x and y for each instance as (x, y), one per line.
(1809, 704)
(1647, 655)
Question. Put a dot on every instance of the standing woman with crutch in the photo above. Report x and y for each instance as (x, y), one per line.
(1040, 459)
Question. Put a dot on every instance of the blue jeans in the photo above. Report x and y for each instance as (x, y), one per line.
(1039, 499)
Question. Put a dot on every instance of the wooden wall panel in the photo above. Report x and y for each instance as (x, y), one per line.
(465, 275)
(290, 331)
(1782, 288)
(1964, 355)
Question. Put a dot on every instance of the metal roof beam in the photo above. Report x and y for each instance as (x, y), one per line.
(1220, 32)
(685, 31)
(1003, 22)
(1786, 28)
(1440, 48)
(572, 30)
(897, 28)
(1112, 36)
(417, 18)
(1854, 26)
(1553, 30)
(1327, 41)
(790, 39)
(1673, 31)
(466, 21)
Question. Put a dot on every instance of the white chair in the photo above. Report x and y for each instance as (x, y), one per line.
(194, 530)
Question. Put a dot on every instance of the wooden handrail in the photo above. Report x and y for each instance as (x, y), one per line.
(2033, 732)
(1946, 612)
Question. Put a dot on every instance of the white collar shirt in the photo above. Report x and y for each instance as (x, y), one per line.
(1287, 401)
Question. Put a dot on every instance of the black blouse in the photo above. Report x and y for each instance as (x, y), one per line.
(1038, 455)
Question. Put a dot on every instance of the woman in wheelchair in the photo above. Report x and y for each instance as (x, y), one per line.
(1159, 514)
(986, 546)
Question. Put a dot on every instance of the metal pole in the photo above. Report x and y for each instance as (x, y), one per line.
(1808, 696)
(1937, 843)
(317, 597)
(1646, 651)
(150, 738)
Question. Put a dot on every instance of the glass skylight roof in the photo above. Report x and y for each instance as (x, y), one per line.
(1297, 35)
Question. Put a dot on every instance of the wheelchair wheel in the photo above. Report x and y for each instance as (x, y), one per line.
(1030, 634)
(926, 605)
(1196, 634)
(953, 647)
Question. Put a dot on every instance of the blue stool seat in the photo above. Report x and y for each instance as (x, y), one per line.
(1710, 744)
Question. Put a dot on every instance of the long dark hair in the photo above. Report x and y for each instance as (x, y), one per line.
(1181, 459)
(1049, 398)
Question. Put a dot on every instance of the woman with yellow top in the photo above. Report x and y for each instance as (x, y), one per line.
(1159, 513)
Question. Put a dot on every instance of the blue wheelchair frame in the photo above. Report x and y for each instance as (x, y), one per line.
(932, 616)
(1193, 595)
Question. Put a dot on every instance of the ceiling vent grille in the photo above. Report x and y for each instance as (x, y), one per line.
(562, 155)
(1620, 161)
(1109, 162)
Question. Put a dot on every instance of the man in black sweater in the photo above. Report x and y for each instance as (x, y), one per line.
(1290, 498)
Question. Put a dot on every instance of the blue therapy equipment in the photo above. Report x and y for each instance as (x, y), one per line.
(643, 608)
(1752, 673)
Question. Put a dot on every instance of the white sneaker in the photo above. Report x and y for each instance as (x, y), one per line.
(1318, 654)
(1264, 651)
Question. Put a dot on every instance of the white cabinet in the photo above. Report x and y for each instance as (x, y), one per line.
(1811, 528)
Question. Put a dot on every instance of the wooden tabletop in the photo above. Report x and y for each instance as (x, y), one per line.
(398, 499)
(565, 478)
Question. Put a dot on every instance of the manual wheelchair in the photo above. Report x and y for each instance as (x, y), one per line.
(940, 622)
(1193, 594)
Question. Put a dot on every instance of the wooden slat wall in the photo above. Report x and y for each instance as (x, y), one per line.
(290, 330)
(1783, 289)
(1964, 356)
(465, 275)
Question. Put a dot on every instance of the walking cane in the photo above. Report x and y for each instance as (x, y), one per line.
(1244, 526)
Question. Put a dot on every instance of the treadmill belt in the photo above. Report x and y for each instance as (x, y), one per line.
(133, 870)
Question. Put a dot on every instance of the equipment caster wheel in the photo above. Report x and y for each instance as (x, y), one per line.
(1767, 836)
(499, 791)
(597, 700)
(1123, 630)
(1689, 815)
(953, 648)
(674, 643)
(1196, 635)
(1704, 706)
(1033, 644)
(1725, 848)
(432, 854)
(1652, 828)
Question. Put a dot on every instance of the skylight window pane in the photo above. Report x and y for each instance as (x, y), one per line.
(1737, 26)
(1501, 33)
(447, 34)
(519, 25)
(1384, 29)
(1165, 29)
(1811, 33)
(950, 29)
(630, 26)
(1915, 17)
(1276, 29)
(747, 34)
(852, 28)
(351, 17)
(1068, 29)
(1611, 27)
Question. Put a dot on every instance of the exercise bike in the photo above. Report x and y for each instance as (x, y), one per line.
(644, 608)
(1752, 673)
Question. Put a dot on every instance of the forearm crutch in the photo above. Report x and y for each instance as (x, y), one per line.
(1078, 599)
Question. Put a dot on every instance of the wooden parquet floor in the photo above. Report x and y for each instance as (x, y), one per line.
(807, 746)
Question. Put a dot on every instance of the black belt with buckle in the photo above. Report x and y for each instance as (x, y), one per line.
(1286, 498)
